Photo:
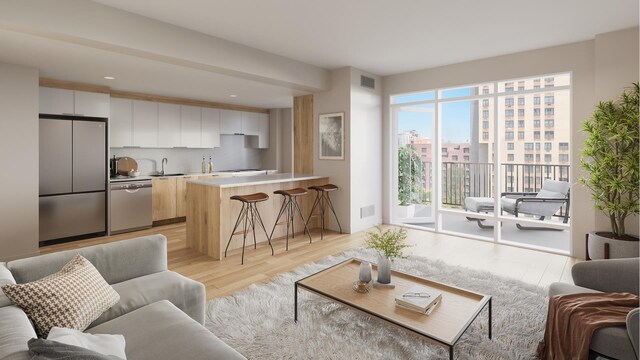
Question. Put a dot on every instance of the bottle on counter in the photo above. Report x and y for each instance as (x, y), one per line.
(204, 165)
(210, 165)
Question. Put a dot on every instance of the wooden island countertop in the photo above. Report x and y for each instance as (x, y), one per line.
(211, 214)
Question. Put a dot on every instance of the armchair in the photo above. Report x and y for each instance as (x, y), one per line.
(552, 197)
(616, 275)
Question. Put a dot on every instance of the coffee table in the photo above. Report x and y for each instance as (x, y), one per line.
(446, 324)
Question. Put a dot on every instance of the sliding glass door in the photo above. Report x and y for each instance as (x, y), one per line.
(413, 153)
(489, 161)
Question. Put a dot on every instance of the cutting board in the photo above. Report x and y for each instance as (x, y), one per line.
(126, 164)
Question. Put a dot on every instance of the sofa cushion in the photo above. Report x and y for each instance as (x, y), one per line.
(188, 295)
(15, 332)
(41, 349)
(116, 262)
(161, 331)
(560, 288)
(613, 342)
(71, 298)
(5, 278)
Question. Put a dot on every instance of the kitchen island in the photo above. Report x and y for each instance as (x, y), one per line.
(211, 214)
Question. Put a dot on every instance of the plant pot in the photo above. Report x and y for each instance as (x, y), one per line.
(406, 211)
(618, 248)
(384, 270)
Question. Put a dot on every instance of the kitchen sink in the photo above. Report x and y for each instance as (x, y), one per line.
(158, 175)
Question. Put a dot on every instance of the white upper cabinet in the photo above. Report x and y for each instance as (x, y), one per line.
(168, 125)
(256, 124)
(121, 123)
(190, 126)
(230, 122)
(69, 102)
(91, 104)
(210, 128)
(145, 123)
(56, 101)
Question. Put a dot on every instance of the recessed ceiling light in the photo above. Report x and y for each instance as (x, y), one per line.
(233, 95)
(109, 78)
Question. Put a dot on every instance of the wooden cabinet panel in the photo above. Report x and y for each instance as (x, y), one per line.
(230, 122)
(210, 128)
(91, 104)
(121, 123)
(164, 198)
(190, 126)
(56, 101)
(145, 123)
(168, 125)
(181, 194)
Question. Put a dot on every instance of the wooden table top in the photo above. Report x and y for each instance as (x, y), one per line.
(457, 309)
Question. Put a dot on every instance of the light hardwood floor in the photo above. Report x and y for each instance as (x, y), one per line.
(227, 275)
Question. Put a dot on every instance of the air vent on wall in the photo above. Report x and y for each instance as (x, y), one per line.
(367, 82)
(367, 211)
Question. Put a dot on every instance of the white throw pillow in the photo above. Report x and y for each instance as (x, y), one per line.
(105, 344)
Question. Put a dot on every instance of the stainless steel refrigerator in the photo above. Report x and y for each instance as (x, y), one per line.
(72, 177)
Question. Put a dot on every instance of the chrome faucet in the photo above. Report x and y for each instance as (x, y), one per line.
(164, 161)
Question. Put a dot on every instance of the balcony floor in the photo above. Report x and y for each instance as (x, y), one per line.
(550, 239)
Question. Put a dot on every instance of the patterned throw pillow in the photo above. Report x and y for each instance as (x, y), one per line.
(71, 298)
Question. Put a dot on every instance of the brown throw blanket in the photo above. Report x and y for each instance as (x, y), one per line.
(573, 318)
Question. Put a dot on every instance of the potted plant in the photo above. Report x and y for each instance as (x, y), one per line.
(410, 175)
(610, 158)
(390, 244)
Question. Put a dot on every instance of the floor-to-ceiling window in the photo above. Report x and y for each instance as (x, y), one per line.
(489, 161)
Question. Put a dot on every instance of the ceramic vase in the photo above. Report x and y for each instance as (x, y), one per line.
(384, 270)
(365, 272)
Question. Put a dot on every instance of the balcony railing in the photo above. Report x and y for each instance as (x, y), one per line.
(461, 179)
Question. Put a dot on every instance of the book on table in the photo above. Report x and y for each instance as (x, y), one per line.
(420, 299)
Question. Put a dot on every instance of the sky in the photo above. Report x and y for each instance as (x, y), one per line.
(456, 125)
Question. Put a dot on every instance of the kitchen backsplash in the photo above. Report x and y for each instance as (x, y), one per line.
(230, 155)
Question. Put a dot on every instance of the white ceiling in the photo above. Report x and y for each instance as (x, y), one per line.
(392, 36)
(66, 61)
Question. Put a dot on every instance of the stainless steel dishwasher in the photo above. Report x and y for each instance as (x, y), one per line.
(131, 206)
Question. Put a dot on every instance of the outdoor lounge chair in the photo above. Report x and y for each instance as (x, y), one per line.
(545, 203)
(553, 196)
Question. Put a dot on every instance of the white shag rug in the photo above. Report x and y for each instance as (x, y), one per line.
(258, 321)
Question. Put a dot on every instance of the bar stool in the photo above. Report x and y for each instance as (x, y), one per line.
(290, 206)
(248, 214)
(323, 198)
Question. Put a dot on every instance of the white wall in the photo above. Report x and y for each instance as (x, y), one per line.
(577, 58)
(366, 150)
(232, 154)
(359, 175)
(338, 99)
(616, 61)
(19, 161)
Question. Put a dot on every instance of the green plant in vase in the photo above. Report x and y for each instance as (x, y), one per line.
(390, 244)
(610, 160)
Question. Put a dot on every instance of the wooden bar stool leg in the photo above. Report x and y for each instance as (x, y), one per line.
(288, 223)
(265, 230)
(306, 230)
(334, 212)
(240, 216)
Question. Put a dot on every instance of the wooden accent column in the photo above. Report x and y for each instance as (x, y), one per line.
(303, 134)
